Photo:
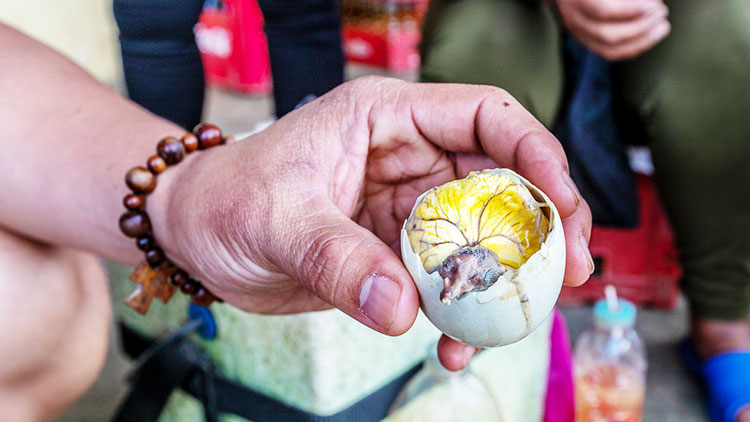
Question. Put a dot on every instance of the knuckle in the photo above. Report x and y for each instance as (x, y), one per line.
(324, 263)
(319, 266)
(362, 93)
(370, 80)
(499, 94)
(587, 218)
(367, 84)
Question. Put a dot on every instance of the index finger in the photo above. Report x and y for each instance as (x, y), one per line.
(476, 119)
(471, 118)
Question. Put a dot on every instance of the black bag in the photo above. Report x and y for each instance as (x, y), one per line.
(587, 130)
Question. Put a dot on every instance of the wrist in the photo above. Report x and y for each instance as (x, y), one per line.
(166, 221)
(149, 217)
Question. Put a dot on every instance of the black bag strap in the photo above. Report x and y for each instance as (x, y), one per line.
(176, 362)
(161, 368)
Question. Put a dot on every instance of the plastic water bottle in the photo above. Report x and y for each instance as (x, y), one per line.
(610, 365)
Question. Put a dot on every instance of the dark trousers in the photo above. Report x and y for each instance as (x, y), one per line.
(687, 98)
(162, 65)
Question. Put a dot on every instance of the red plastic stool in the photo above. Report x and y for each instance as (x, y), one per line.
(641, 262)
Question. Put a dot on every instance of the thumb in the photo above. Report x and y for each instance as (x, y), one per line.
(350, 268)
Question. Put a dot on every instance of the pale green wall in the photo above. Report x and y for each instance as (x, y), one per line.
(83, 30)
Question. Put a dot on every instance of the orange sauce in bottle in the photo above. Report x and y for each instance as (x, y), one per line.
(608, 393)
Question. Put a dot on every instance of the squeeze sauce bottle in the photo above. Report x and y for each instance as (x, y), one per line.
(610, 365)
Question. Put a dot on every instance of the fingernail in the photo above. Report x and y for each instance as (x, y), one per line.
(660, 31)
(572, 186)
(585, 246)
(378, 299)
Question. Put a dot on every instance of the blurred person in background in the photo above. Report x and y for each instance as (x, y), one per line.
(163, 68)
(68, 141)
(681, 78)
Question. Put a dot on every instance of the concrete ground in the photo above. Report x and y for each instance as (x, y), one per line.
(671, 394)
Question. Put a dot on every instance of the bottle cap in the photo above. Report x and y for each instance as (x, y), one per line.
(207, 328)
(614, 312)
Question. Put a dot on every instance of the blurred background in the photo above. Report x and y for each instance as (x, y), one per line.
(381, 37)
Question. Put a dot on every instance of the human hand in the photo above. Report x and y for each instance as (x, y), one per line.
(307, 214)
(616, 29)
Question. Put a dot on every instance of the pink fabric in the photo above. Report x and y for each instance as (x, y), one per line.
(559, 404)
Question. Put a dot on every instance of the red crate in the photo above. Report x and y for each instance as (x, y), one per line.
(642, 262)
(233, 46)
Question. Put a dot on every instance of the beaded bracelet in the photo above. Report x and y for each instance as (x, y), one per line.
(157, 276)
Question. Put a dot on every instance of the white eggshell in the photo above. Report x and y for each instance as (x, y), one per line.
(486, 318)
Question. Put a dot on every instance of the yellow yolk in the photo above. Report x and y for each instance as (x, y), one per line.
(488, 209)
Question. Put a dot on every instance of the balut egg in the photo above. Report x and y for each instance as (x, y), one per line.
(487, 253)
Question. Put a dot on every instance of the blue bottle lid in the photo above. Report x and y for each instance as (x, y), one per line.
(207, 329)
(622, 315)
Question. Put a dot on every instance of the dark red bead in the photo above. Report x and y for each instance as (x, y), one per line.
(156, 164)
(145, 243)
(133, 201)
(202, 297)
(208, 135)
(171, 150)
(178, 278)
(140, 179)
(135, 224)
(190, 287)
(154, 257)
(190, 142)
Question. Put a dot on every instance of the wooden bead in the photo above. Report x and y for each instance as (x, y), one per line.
(156, 164)
(140, 179)
(190, 142)
(190, 287)
(145, 243)
(178, 278)
(202, 297)
(155, 257)
(208, 135)
(164, 278)
(171, 150)
(133, 201)
(135, 224)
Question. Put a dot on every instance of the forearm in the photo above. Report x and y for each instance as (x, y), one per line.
(54, 318)
(67, 142)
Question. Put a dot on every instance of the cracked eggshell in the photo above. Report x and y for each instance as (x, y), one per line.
(486, 318)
